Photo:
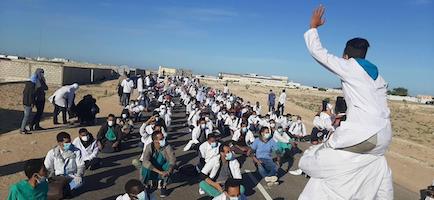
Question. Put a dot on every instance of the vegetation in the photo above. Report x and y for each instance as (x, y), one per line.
(399, 91)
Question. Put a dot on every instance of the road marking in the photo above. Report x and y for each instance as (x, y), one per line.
(259, 186)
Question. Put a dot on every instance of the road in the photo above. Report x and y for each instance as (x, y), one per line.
(108, 182)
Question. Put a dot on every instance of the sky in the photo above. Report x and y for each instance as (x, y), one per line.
(237, 36)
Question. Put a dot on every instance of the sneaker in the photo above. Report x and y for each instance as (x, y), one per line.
(296, 172)
(267, 179)
(273, 179)
(163, 192)
(25, 132)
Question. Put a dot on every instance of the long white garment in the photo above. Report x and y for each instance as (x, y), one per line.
(64, 96)
(282, 98)
(87, 153)
(140, 86)
(338, 174)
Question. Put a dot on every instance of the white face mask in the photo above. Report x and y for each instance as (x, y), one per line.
(124, 116)
(280, 130)
(299, 121)
(84, 138)
(110, 123)
(207, 118)
(202, 126)
(272, 125)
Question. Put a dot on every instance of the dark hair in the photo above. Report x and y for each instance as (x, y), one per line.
(133, 183)
(283, 90)
(155, 133)
(230, 182)
(33, 166)
(83, 130)
(223, 145)
(211, 135)
(263, 129)
(62, 135)
(356, 48)
(324, 105)
(111, 115)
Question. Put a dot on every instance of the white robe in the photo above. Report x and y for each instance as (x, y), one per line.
(338, 174)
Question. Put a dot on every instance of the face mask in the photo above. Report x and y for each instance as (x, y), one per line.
(124, 116)
(213, 144)
(229, 156)
(41, 179)
(162, 143)
(244, 129)
(299, 121)
(233, 117)
(224, 112)
(156, 119)
(207, 118)
(202, 126)
(66, 146)
(141, 195)
(110, 123)
(234, 198)
(280, 130)
(84, 138)
(273, 125)
(267, 136)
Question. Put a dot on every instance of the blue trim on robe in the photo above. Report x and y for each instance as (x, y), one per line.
(370, 68)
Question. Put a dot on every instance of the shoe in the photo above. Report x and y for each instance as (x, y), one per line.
(201, 192)
(56, 123)
(38, 128)
(296, 172)
(163, 192)
(25, 132)
(270, 179)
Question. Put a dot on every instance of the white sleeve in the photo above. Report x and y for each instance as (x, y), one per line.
(304, 129)
(333, 63)
(236, 135)
(235, 169)
(49, 161)
(142, 129)
(250, 137)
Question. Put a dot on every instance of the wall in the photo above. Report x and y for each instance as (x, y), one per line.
(18, 70)
(76, 75)
(103, 75)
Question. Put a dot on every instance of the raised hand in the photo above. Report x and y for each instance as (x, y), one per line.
(317, 19)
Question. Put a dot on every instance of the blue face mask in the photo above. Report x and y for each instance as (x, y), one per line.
(213, 144)
(162, 143)
(244, 129)
(141, 195)
(66, 146)
(229, 156)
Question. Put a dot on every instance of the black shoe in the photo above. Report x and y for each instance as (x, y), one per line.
(56, 123)
(25, 132)
(163, 192)
(38, 128)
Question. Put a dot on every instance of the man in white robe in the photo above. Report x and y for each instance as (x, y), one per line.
(337, 170)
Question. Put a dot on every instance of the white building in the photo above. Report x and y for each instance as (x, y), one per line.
(254, 79)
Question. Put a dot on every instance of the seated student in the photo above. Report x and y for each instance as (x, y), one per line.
(208, 150)
(159, 121)
(89, 149)
(35, 187)
(158, 162)
(231, 124)
(126, 124)
(242, 139)
(218, 170)
(253, 121)
(135, 190)
(232, 191)
(86, 110)
(198, 135)
(284, 142)
(65, 164)
(263, 149)
(298, 129)
(110, 136)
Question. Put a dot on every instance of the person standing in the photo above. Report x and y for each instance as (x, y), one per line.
(28, 102)
(140, 85)
(271, 101)
(282, 102)
(62, 100)
(40, 87)
(127, 87)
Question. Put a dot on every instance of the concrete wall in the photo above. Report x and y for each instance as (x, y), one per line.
(18, 70)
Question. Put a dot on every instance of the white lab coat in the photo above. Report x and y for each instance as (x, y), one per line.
(58, 161)
(140, 87)
(207, 152)
(212, 167)
(339, 174)
(298, 129)
(87, 153)
(282, 99)
(127, 85)
(281, 137)
(249, 137)
(64, 96)
(127, 197)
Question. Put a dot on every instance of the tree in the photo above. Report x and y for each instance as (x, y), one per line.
(399, 91)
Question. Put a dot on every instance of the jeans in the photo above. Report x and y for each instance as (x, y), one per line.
(267, 168)
(27, 112)
(57, 110)
(125, 99)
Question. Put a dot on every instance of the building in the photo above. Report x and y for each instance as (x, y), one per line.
(424, 98)
(172, 71)
(56, 73)
(254, 79)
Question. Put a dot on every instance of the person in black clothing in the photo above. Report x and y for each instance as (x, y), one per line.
(28, 102)
(109, 136)
(40, 87)
(86, 110)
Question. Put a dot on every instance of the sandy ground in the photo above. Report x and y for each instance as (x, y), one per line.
(411, 161)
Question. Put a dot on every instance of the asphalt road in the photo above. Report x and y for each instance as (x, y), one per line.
(108, 182)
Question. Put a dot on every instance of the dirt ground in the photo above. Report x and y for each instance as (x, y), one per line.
(410, 155)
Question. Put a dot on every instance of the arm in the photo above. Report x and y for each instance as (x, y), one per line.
(80, 164)
(333, 63)
(49, 163)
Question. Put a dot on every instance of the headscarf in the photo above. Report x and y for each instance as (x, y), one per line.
(38, 77)
(74, 87)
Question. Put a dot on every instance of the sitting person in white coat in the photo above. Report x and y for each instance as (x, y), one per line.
(65, 164)
(242, 139)
(198, 135)
(208, 150)
(146, 131)
(351, 163)
(89, 149)
(298, 129)
(215, 172)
